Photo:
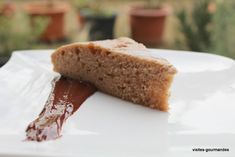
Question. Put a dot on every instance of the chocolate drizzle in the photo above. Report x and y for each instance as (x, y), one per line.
(66, 97)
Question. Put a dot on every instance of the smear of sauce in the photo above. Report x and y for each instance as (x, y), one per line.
(66, 97)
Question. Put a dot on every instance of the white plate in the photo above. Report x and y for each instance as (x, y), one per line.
(202, 112)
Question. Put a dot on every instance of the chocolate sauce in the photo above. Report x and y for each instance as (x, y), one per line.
(66, 97)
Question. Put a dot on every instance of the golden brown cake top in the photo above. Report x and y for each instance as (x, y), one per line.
(123, 44)
(126, 46)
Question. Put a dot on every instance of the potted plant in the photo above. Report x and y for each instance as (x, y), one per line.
(100, 22)
(55, 12)
(17, 37)
(148, 22)
(7, 8)
(196, 27)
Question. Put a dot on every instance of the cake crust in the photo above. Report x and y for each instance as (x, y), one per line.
(114, 67)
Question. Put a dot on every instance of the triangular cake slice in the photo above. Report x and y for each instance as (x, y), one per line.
(120, 67)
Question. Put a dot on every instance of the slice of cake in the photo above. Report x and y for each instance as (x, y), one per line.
(120, 68)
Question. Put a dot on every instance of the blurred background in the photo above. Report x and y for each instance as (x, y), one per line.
(195, 25)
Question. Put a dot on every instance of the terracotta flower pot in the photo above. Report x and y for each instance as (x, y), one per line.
(147, 25)
(56, 12)
(8, 9)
